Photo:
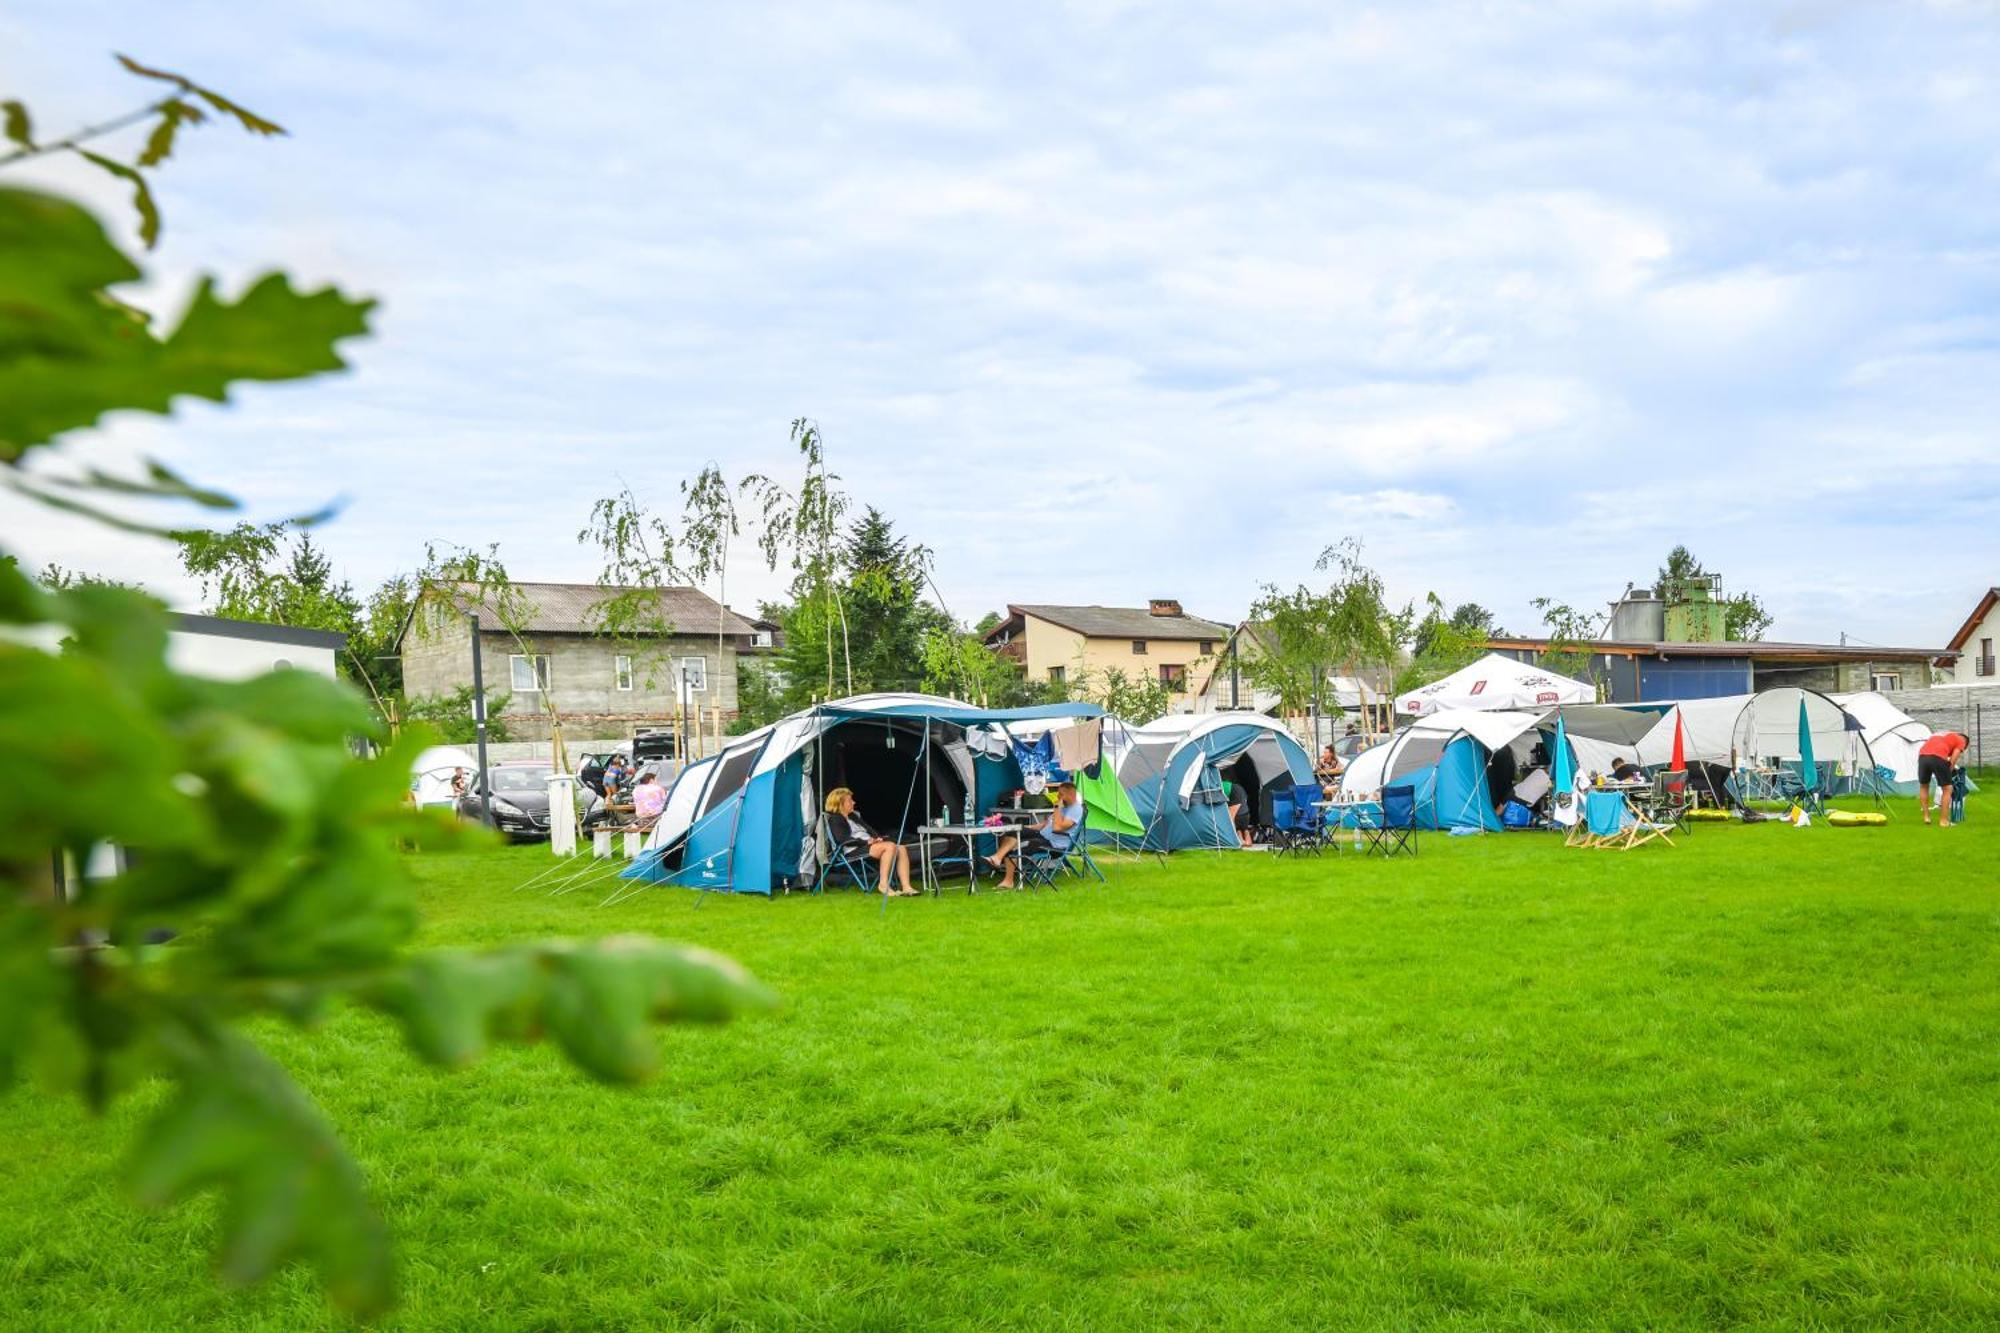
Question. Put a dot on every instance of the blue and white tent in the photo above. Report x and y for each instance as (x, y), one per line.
(1174, 770)
(1463, 763)
(1444, 758)
(745, 820)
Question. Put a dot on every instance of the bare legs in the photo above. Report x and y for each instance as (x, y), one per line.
(893, 857)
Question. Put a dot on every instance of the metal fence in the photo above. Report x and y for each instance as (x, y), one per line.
(1972, 711)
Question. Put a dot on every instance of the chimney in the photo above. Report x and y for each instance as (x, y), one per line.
(1164, 606)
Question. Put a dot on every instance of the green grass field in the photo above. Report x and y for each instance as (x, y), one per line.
(1751, 1080)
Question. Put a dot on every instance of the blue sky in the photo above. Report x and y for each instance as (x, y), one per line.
(1105, 302)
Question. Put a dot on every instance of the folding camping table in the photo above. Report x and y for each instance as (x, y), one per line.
(972, 833)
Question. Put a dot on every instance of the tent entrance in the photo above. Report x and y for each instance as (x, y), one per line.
(1242, 771)
(897, 785)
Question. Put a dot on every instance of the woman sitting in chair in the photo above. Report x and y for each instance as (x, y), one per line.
(856, 840)
(1051, 835)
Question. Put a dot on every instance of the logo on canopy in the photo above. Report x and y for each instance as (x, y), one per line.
(1547, 697)
(1478, 687)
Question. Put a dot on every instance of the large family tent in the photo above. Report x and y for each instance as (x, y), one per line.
(1174, 770)
(1789, 739)
(1761, 740)
(1494, 683)
(1463, 763)
(745, 819)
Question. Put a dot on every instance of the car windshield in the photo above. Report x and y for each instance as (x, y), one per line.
(520, 779)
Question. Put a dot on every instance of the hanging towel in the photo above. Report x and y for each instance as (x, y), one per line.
(1076, 746)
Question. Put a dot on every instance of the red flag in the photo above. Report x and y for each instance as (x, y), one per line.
(1679, 763)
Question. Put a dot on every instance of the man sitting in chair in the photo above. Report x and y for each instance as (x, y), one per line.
(856, 840)
(1053, 834)
(1624, 770)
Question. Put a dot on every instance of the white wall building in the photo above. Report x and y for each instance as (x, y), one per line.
(1974, 644)
(238, 649)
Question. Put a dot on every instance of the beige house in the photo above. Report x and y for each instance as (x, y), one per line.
(1974, 644)
(1158, 642)
(600, 688)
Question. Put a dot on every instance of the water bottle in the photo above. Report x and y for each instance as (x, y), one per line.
(968, 809)
(944, 816)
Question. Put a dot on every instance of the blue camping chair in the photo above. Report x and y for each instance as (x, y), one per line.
(1308, 820)
(1396, 830)
(1040, 868)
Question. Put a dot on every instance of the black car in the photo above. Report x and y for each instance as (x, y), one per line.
(520, 800)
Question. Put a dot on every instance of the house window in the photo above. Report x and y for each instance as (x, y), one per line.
(530, 674)
(761, 639)
(1984, 666)
(1139, 647)
(694, 675)
(1055, 675)
(1208, 647)
(1173, 676)
(1886, 680)
(621, 670)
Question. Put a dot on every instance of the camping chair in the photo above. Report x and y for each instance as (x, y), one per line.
(834, 860)
(1039, 869)
(1668, 802)
(1615, 823)
(1396, 830)
(1310, 830)
(1274, 819)
(1603, 822)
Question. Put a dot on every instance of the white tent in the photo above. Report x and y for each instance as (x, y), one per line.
(1893, 736)
(431, 774)
(1495, 682)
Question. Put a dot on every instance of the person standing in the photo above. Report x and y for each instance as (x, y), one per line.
(1936, 758)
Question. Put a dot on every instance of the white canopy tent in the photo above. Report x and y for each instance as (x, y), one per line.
(1495, 683)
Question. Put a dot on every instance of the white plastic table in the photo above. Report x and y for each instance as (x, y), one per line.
(972, 833)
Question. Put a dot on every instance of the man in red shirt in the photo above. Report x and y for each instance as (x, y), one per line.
(1936, 758)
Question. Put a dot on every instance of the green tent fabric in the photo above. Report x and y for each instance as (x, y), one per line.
(1109, 808)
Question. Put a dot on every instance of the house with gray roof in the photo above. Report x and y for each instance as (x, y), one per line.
(544, 646)
(1158, 641)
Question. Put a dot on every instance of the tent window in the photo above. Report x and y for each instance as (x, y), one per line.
(1138, 647)
(730, 776)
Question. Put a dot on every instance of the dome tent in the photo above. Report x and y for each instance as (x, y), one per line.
(1893, 738)
(743, 820)
(1448, 758)
(1174, 769)
(1443, 758)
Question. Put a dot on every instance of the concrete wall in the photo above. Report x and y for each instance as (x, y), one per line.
(1973, 712)
(1047, 645)
(582, 678)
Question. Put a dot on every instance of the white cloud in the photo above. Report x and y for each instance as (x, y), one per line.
(1108, 298)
